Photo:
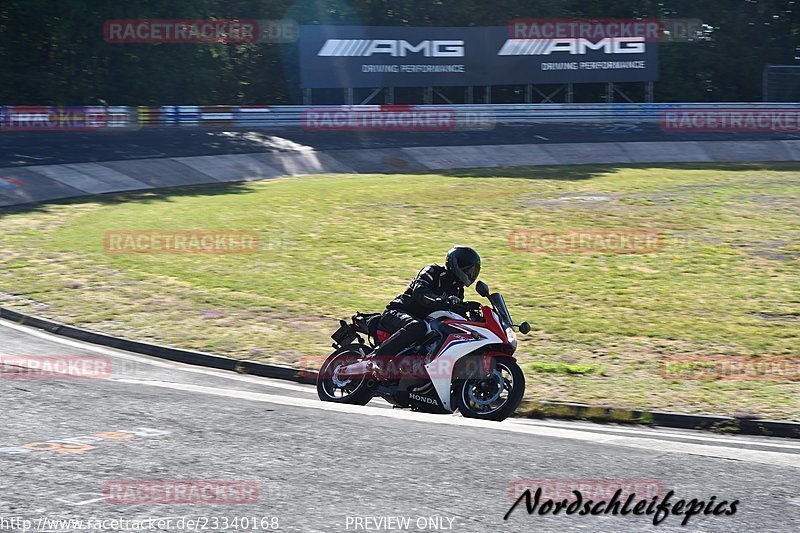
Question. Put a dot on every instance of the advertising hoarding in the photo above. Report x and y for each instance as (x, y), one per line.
(381, 56)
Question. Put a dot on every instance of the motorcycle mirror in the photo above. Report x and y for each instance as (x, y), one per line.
(482, 289)
(524, 328)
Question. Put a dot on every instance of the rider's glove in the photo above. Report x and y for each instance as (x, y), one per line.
(453, 301)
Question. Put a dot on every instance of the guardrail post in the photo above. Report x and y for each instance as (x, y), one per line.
(487, 95)
(610, 92)
(470, 97)
(649, 92)
(568, 97)
(428, 96)
(529, 94)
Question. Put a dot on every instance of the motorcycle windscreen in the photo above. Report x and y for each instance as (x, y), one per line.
(500, 306)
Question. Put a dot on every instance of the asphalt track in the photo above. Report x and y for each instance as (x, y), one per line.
(320, 466)
(49, 148)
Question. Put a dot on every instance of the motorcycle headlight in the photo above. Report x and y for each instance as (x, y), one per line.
(512, 337)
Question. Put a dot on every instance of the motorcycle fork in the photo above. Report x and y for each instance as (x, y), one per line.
(487, 364)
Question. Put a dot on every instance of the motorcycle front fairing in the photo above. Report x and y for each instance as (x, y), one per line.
(467, 338)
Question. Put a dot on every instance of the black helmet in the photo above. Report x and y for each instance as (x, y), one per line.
(464, 263)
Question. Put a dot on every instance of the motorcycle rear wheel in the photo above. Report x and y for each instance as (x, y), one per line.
(338, 389)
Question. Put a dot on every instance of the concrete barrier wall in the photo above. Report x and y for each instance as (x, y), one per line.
(32, 184)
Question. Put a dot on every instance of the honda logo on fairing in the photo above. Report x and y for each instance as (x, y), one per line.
(544, 47)
(393, 47)
(422, 398)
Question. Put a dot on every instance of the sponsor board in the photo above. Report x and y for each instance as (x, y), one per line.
(365, 56)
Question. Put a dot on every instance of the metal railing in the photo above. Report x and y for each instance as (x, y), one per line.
(466, 115)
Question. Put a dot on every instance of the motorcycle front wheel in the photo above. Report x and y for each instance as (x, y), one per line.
(332, 387)
(493, 398)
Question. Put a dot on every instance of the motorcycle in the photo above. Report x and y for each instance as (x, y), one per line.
(465, 362)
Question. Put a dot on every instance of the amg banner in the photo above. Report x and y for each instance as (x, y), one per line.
(384, 56)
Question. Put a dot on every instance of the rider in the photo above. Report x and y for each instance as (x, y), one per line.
(435, 288)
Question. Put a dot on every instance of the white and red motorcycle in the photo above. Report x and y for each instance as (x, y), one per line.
(464, 363)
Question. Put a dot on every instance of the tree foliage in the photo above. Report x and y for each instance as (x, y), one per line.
(55, 53)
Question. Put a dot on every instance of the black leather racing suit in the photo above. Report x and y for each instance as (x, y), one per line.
(404, 316)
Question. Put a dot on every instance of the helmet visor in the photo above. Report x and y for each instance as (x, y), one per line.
(471, 273)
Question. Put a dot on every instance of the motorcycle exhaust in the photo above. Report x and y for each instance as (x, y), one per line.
(360, 368)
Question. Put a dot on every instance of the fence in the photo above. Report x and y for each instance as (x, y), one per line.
(93, 117)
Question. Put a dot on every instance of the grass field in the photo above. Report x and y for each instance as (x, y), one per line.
(726, 282)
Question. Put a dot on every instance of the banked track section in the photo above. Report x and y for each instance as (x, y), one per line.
(41, 183)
